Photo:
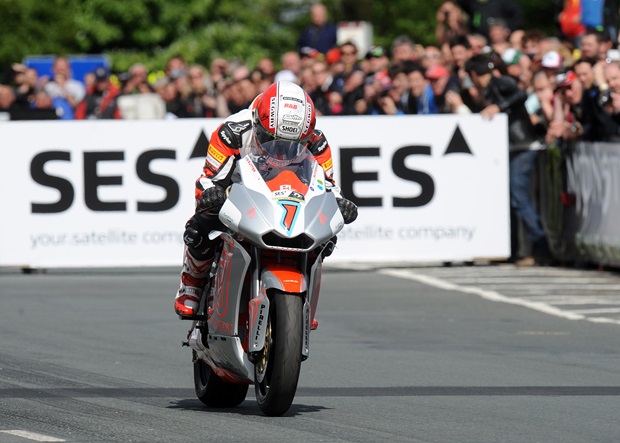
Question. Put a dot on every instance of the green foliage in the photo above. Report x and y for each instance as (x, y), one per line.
(150, 31)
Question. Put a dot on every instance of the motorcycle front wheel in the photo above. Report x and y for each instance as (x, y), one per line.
(276, 372)
(213, 391)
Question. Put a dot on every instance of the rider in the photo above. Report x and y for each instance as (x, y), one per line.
(283, 111)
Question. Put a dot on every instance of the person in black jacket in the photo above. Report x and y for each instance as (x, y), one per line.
(502, 94)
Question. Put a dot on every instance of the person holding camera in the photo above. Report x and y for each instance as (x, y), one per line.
(451, 22)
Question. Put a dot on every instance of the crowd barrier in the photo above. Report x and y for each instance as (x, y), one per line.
(118, 193)
(579, 200)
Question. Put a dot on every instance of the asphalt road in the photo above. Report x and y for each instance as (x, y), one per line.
(97, 357)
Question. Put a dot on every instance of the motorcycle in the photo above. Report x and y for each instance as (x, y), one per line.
(256, 314)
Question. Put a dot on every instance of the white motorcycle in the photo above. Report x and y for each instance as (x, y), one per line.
(254, 322)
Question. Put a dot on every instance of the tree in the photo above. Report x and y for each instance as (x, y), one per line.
(150, 31)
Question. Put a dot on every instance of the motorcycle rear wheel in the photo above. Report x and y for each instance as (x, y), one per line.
(276, 372)
(213, 391)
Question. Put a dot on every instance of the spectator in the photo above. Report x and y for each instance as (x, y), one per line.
(419, 99)
(461, 52)
(348, 57)
(201, 101)
(478, 44)
(533, 47)
(551, 64)
(441, 82)
(138, 99)
(518, 66)
(307, 80)
(324, 81)
(516, 39)
(321, 34)
(176, 67)
(612, 78)
(432, 56)
(567, 108)
(596, 105)
(291, 66)
(503, 95)
(451, 22)
(352, 91)
(63, 85)
(260, 79)
(482, 14)
(308, 56)
(136, 81)
(26, 90)
(584, 68)
(100, 101)
(499, 32)
(60, 106)
(7, 99)
(400, 86)
(403, 49)
(593, 46)
(267, 67)
(539, 103)
(219, 71)
(368, 104)
(378, 61)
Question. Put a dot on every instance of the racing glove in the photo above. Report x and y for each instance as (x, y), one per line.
(192, 236)
(348, 210)
(212, 199)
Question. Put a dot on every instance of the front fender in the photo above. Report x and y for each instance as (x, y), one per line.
(283, 278)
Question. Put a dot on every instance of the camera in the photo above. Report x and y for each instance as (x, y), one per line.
(446, 16)
(604, 97)
(613, 55)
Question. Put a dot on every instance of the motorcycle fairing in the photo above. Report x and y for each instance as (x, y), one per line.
(302, 209)
(226, 354)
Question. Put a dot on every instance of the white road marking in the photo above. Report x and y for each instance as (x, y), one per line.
(495, 296)
(32, 435)
(576, 300)
(597, 311)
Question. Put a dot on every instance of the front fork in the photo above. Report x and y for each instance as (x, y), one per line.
(289, 279)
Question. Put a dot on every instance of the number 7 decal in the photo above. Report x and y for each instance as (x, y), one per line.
(291, 211)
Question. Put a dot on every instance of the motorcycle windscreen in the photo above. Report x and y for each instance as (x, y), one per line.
(285, 166)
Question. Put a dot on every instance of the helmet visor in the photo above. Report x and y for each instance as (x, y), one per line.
(280, 150)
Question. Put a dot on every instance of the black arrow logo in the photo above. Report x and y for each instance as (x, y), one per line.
(201, 147)
(457, 144)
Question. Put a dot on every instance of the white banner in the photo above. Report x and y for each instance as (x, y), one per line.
(118, 193)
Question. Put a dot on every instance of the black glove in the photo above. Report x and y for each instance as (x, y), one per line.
(192, 236)
(212, 199)
(348, 210)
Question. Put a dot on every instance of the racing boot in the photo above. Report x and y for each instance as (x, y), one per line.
(194, 278)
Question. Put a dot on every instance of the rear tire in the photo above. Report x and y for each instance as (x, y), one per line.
(213, 391)
(276, 371)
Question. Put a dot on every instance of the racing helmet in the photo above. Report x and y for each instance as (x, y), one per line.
(285, 114)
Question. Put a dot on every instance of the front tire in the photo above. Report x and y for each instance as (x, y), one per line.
(276, 372)
(213, 391)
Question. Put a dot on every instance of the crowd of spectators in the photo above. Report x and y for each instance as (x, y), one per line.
(406, 78)
(571, 86)
(553, 87)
